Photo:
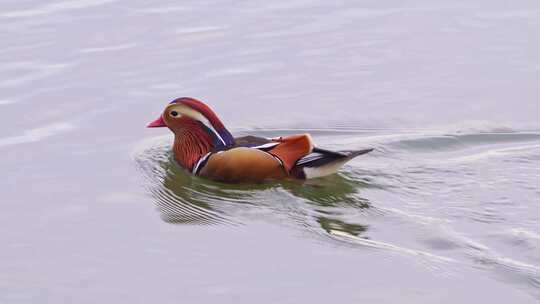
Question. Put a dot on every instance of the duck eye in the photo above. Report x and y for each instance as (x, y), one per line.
(174, 113)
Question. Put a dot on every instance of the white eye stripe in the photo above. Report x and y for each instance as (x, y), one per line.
(184, 110)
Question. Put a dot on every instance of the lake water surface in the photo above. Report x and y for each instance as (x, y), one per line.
(445, 210)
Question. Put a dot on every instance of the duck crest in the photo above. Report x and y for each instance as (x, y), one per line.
(211, 123)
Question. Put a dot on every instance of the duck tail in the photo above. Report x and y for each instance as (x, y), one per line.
(322, 162)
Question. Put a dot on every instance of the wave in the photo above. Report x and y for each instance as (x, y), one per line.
(37, 134)
(180, 195)
(54, 7)
(358, 207)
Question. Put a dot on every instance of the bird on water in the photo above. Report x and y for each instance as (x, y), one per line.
(203, 146)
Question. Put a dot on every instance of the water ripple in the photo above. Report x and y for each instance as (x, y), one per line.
(37, 134)
(384, 202)
(54, 7)
(183, 198)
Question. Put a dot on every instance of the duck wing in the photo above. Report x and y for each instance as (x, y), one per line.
(255, 159)
(321, 162)
(250, 141)
(288, 149)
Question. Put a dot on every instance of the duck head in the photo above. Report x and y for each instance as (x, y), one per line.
(196, 127)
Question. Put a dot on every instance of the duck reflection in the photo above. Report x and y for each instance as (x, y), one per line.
(332, 225)
(182, 198)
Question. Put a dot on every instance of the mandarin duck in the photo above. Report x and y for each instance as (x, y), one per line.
(204, 147)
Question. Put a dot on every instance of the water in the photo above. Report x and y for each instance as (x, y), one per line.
(445, 210)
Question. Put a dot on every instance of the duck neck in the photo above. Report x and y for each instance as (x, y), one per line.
(189, 146)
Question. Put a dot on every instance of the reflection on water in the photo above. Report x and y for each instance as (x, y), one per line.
(332, 225)
(403, 173)
(182, 198)
(329, 191)
(447, 92)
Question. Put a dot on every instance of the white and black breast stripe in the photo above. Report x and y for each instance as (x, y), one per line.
(200, 163)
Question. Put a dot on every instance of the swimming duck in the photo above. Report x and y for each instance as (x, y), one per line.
(203, 146)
